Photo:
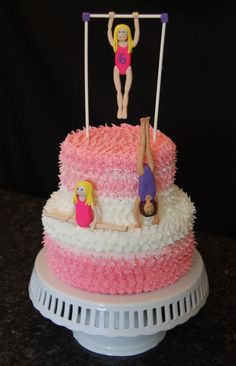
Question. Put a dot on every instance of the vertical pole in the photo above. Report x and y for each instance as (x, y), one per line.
(86, 18)
(164, 20)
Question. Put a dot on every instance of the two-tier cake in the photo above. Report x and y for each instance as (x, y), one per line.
(116, 256)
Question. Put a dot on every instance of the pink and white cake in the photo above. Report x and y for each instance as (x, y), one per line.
(107, 261)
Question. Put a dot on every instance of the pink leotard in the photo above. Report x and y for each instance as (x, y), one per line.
(83, 213)
(122, 59)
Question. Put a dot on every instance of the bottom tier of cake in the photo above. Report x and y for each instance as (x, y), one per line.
(121, 275)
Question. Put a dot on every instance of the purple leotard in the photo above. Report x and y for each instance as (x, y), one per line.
(147, 184)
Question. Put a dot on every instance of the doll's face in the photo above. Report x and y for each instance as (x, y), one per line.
(148, 208)
(122, 34)
(81, 191)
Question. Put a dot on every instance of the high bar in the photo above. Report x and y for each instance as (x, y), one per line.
(163, 16)
(141, 16)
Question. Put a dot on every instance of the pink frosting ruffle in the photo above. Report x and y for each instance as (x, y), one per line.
(108, 160)
(110, 275)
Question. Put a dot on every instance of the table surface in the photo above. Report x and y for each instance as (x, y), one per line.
(27, 338)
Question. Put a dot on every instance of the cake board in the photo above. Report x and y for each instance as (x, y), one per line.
(118, 325)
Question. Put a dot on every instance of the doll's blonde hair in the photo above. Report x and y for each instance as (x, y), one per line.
(115, 38)
(89, 198)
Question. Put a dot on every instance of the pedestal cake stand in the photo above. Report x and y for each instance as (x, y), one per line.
(118, 325)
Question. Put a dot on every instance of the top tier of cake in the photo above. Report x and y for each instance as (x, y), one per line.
(108, 160)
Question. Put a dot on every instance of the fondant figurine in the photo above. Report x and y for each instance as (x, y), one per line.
(85, 209)
(85, 213)
(123, 45)
(146, 202)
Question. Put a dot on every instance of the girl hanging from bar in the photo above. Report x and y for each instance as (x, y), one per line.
(122, 44)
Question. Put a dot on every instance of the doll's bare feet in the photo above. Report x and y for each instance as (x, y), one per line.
(119, 113)
(124, 113)
(147, 126)
(142, 121)
(147, 119)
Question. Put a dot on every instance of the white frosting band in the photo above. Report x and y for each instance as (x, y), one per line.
(176, 213)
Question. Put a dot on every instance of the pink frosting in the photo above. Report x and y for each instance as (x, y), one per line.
(108, 160)
(109, 275)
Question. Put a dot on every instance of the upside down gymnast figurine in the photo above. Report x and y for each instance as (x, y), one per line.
(122, 44)
(146, 202)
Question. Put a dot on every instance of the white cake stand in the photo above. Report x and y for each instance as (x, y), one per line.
(118, 325)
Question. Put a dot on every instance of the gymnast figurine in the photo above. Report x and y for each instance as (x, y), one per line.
(85, 208)
(146, 202)
(123, 45)
(86, 212)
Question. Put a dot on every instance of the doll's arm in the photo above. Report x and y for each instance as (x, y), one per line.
(95, 218)
(136, 29)
(137, 213)
(109, 28)
(71, 217)
(71, 213)
(156, 218)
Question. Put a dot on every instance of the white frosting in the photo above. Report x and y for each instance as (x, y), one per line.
(60, 201)
(176, 213)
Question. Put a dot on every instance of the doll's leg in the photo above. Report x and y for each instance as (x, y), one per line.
(148, 149)
(142, 147)
(128, 83)
(60, 215)
(117, 82)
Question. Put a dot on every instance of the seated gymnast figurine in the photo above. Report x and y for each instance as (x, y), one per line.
(85, 212)
(146, 202)
(85, 207)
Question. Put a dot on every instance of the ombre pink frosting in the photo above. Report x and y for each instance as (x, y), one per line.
(110, 275)
(108, 160)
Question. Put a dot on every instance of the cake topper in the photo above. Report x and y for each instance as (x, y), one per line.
(123, 44)
(85, 209)
(146, 202)
(86, 17)
(85, 212)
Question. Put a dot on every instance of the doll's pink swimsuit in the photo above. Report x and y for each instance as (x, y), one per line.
(122, 59)
(83, 213)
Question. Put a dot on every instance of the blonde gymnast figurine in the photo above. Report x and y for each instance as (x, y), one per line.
(123, 45)
(85, 208)
(86, 212)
